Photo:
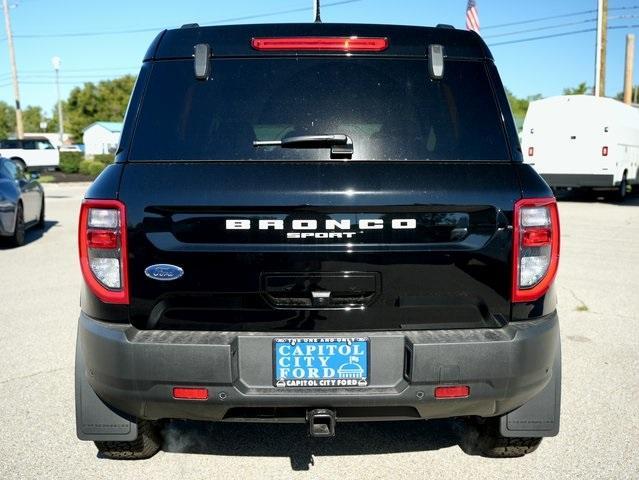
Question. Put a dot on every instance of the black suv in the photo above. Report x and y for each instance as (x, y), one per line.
(318, 223)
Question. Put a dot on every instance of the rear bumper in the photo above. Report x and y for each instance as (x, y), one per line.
(135, 371)
(578, 180)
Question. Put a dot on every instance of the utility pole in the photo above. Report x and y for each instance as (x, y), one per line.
(56, 62)
(604, 47)
(600, 54)
(14, 69)
(630, 59)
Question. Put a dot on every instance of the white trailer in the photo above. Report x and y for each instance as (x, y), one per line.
(581, 141)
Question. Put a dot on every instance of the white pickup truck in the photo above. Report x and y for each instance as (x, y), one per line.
(35, 153)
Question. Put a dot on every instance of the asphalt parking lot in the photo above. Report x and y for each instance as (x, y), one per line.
(598, 297)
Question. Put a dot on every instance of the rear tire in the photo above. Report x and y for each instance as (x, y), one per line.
(17, 239)
(40, 223)
(487, 442)
(146, 445)
(623, 189)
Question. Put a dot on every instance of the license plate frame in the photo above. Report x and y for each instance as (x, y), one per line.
(347, 358)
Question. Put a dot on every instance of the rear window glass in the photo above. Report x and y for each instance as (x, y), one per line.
(390, 108)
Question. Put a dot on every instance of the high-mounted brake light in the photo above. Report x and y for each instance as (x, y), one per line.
(103, 249)
(535, 247)
(338, 44)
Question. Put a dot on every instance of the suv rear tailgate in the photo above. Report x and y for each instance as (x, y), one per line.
(428, 244)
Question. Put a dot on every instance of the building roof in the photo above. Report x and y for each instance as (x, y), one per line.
(114, 127)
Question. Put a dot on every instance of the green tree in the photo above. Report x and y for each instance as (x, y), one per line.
(32, 117)
(581, 89)
(105, 101)
(52, 122)
(7, 120)
(519, 106)
(634, 96)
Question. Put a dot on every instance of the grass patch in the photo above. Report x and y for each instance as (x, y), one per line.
(46, 179)
(582, 308)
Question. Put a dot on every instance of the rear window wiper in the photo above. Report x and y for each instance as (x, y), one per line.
(341, 145)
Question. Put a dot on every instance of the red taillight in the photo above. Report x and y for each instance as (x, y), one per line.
(103, 249)
(452, 391)
(535, 247)
(103, 239)
(190, 393)
(536, 237)
(604, 151)
(531, 151)
(340, 44)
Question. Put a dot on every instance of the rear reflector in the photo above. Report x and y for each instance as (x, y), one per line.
(452, 391)
(531, 151)
(604, 151)
(339, 44)
(190, 393)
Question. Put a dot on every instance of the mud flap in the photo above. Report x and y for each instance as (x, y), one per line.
(538, 417)
(95, 420)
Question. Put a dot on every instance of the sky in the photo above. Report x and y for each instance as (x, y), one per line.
(46, 28)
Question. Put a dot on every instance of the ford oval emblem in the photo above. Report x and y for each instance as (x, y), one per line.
(163, 272)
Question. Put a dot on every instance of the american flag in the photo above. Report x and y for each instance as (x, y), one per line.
(472, 17)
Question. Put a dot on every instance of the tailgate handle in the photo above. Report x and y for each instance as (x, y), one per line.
(320, 290)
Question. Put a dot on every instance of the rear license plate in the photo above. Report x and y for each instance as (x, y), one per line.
(320, 362)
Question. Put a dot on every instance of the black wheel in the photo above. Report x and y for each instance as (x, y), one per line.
(623, 189)
(40, 223)
(486, 441)
(17, 239)
(146, 445)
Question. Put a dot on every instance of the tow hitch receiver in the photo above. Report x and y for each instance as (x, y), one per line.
(321, 422)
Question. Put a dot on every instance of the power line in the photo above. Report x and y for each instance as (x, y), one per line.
(77, 82)
(563, 34)
(539, 19)
(537, 29)
(89, 34)
(270, 14)
(101, 69)
(72, 70)
(66, 77)
(558, 25)
(554, 17)
(157, 29)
